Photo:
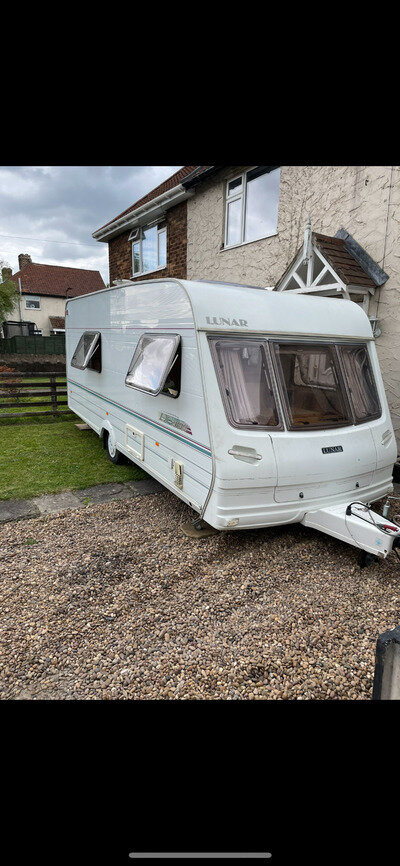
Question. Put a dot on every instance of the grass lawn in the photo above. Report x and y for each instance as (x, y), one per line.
(45, 455)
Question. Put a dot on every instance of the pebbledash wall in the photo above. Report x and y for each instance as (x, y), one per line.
(365, 200)
(120, 250)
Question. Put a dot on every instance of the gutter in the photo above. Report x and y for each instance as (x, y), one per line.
(149, 211)
(197, 176)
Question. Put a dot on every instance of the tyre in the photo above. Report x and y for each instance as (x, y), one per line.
(112, 451)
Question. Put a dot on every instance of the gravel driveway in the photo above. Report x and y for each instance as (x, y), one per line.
(114, 601)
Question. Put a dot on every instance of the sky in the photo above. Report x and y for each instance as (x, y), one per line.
(50, 211)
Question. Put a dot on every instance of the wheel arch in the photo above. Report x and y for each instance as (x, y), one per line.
(105, 430)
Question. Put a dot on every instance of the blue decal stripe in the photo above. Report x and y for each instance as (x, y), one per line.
(202, 448)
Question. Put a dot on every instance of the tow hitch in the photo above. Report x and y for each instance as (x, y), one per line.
(358, 525)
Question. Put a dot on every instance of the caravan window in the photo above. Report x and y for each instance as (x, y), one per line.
(360, 382)
(155, 366)
(245, 382)
(88, 352)
(311, 385)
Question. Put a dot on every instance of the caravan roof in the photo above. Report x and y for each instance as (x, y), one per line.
(275, 312)
(244, 308)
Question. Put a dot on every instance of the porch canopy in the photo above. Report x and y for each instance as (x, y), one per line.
(332, 266)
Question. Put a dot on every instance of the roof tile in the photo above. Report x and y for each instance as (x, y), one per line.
(38, 279)
(342, 261)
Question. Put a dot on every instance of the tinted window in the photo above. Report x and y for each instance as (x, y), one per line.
(245, 382)
(360, 381)
(154, 366)
(312, 388)
(88, 352)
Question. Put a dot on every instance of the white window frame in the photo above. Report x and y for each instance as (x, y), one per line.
(138, 240)
(241, 195)
(32, 298)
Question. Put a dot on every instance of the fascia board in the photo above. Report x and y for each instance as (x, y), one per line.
(148, 211)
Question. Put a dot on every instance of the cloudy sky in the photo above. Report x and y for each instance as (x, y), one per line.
(51, 211)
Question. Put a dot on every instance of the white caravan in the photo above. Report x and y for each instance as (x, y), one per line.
(255, 407)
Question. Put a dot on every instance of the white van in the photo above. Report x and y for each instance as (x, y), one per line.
(255, 407)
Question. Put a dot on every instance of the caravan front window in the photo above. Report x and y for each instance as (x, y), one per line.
(245, 382)
(360, 381)
(312, 388)
(155, 366)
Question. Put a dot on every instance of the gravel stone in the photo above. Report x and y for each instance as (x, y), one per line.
(114, 601)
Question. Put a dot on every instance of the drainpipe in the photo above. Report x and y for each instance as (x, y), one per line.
(19, 301)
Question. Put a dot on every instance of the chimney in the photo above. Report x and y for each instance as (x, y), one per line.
(6, 274)
(23, 260)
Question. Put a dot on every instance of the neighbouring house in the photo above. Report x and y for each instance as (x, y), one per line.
(325, 230)
(43, 290)
(148, 240)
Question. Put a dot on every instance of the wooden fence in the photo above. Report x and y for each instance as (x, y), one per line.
(18, 388)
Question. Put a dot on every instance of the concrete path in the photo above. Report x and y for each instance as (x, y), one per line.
(20, 509)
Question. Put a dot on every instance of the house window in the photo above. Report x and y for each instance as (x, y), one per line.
(252, 205)
(32, 302)
(155, 366)
(149, 248)
(88, 352)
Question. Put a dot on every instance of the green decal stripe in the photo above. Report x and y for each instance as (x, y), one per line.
(203, 449)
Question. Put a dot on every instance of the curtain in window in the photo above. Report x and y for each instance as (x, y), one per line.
(246, 382)
(360, 382)
(316, 369)
(236, 384)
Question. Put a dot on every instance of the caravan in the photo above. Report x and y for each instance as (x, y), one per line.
(255, 407)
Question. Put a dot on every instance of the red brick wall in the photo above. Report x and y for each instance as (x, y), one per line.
(120, 250)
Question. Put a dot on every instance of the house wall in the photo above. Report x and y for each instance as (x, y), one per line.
(48, 307)
(365, 200)
(120, 250)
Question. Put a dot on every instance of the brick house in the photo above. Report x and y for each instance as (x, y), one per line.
(43, 292)
(327, 230)
(148, 240)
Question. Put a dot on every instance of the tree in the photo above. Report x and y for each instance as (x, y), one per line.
(8, 294)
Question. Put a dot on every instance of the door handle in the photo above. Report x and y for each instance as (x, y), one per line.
(248, 455)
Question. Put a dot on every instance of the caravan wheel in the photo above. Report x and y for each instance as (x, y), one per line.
(114, 455)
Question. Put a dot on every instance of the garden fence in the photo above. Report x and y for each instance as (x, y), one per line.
(34, 345)
(18, 391)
